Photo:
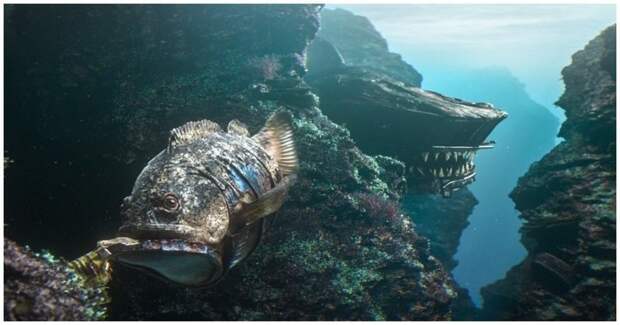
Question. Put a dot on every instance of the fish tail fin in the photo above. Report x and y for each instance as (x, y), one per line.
(276, 137)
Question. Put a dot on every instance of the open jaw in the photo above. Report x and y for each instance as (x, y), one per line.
(436, 136)
(445, 169)
(174, 260)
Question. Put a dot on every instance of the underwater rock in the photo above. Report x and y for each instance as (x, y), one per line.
(360, 91)
(552, 272)
(361, 45)
(41, 288)
(323, 57)
(441, 220)
(499, 86)
(567, 201)
(325, 256)
(436, 136)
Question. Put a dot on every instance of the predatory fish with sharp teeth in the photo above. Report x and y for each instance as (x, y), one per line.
(197, 209)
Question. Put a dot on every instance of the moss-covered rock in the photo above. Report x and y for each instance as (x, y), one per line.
(40, 287)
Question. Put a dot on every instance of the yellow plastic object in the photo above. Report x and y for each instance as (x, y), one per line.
(94, 267)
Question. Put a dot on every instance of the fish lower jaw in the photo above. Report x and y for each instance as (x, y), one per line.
(176, 261)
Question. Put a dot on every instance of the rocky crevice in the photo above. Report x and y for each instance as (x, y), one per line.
(567, 201)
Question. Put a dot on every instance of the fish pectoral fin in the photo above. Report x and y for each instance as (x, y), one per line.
(276, 137)
(244, 242)
(268, 203)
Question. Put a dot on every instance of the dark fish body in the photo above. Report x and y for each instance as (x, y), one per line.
(198, 207)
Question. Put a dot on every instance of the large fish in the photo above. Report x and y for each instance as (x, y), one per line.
(197, 209)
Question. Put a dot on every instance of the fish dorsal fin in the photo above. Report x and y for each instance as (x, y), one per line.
(276, 137)
(192, 131)
(238, 128)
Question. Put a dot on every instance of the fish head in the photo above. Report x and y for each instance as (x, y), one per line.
(180, 217)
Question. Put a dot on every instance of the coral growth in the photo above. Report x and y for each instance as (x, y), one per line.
(378, 207)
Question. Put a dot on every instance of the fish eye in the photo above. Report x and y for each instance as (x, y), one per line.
(171, 202)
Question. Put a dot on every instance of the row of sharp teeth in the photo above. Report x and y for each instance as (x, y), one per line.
(468, 155)
(449, 171)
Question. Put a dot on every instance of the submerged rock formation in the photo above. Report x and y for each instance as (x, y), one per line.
(441, 220)
(361, 45)
(387, 113)
(567, 201)
(339, 248)
(436, 136)
(41, 288)
(499, 86)
(499, 169)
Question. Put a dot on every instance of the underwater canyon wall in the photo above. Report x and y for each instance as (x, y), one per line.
(347, 51)
(567, 202)
(360, 44)
(522, 139)
(360, 83)
(89, 107)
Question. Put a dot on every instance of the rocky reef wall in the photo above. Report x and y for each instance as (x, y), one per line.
(360, 44)
(39, 287)
(441, 220)
(362, 86)
(90, 105)
(436, 136)
(567, 201)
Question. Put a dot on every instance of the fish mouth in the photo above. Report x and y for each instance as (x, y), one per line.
(175, 261)
(446, 169)
(158, 231)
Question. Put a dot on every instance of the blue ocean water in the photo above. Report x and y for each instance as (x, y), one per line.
(491, 245)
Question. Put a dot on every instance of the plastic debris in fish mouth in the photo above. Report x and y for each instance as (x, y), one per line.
(197, 209)
(94, 267)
